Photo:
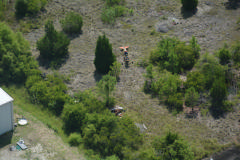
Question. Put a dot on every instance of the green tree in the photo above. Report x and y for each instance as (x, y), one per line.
(195, 47)
(16, 61)
(236, 52)
(196, 80)
(218, 94)
(73, 117)
(189, 5)
(104, 56)
(115, 69)
(106, 86)
(224, 55)
(72, 23)
(54, 45)
(191, 97)
(172, 147)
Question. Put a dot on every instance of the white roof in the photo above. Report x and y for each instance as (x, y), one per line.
(4, 97)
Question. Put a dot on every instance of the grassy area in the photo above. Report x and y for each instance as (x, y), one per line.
(22, 105)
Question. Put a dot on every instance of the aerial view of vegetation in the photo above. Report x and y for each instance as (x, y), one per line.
(121, 79)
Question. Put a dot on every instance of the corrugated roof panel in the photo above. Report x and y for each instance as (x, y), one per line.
(4, 97)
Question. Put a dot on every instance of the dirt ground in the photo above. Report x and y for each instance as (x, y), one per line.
(212, 25)
(42, 143)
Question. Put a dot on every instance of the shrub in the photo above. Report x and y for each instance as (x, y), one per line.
(224, 56)
(114, 2)
(75, 139)
(15, 57)
(172, 146)
(115, 69)
(236, 53)
(196, 80)
(104, 57)
(54, 45)
(72, 23)
(189, 5)
(24, 7)
(108, 15)
(73, 117)
(175, 56)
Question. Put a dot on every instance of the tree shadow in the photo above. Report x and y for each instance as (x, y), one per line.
(188, 14)
(232, 4)
(55, 63)
(97, 76)
(216, 113)
(73, 36)
(5, 139)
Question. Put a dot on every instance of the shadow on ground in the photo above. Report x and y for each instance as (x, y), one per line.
(188, 14)
(232, 4)
(5, 139)
(56, 64)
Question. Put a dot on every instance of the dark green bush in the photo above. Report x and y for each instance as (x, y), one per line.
(50, 92)
(104, 57)
(172, 146)
(236, 53)
(75, 139)
(24, 7)
(114, 2)
(189, 5)
(224, 56)
(16, 61)
(54, 45)
(72, 23)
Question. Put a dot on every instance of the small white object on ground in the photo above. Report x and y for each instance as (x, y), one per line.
(22, 122)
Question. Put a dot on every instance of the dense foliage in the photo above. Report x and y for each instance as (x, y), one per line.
(72, 24)
(53, 45)
(104, 57)
(172, 146)
(49, 91)
(101, 131)
(16, 62)
(106, 86)
(189, 5)
(24, 7)
(174, 55)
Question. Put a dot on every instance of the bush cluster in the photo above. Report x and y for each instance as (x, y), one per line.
(211, 75)
(24, 7)
(72, 24)
(48, 91)
(100, 130)
(16, 62)
(54, 45)
(174, 55)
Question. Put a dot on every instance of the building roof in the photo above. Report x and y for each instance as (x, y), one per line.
(4, 97)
